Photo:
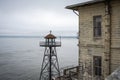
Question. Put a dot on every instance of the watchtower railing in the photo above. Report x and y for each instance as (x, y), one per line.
(53, 44)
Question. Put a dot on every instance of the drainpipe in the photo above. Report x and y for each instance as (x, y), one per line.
(108, 36)
(78, 33)
(110, 12)
(109, 8)
(78, 42)
(76, 13)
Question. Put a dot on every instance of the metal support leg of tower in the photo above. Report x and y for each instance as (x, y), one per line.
(50, 65)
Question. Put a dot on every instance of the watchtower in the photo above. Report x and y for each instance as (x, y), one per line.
(50, 65)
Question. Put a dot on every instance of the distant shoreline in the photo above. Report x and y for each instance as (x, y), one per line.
(35, 36)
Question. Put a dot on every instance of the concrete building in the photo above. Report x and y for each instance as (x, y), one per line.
(99, 38)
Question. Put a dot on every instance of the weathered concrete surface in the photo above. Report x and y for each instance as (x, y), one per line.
(115, 75)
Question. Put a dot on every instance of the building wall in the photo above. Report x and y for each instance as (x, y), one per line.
(90, 46)
(86, 23)
(115, 51)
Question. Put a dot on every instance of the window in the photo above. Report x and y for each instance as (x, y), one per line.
(97, 26)
(97, 65)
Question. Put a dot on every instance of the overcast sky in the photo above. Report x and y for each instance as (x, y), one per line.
(37, 17)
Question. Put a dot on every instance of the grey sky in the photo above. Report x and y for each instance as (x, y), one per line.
(36, 17)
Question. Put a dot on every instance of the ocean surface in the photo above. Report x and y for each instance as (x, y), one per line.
(21, 58)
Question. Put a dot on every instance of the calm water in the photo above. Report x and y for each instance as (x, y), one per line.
(20, 58)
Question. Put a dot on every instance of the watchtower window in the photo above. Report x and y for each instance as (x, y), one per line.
(97, 65)
(97, 26)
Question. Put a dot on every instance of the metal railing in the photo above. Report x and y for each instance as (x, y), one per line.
(50, 44)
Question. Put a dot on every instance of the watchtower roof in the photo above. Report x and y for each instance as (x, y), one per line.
(50, 36)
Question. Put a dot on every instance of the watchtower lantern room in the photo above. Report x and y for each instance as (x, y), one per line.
(50, 41)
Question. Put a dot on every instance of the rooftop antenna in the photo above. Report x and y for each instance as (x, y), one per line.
(50, 31)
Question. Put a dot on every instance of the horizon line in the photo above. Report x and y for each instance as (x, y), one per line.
(17, 36)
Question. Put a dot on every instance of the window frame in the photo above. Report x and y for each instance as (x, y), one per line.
(97, 26)
(97, 66)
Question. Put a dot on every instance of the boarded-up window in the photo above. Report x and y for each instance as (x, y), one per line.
(97, 65)
(97, 26)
